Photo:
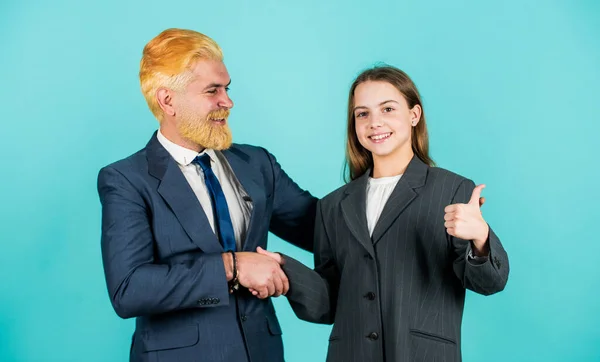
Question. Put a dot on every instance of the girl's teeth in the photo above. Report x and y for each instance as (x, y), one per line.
(381, 136)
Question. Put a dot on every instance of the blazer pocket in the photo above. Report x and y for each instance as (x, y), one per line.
(170, 338)
(431, 336)
(273, 324)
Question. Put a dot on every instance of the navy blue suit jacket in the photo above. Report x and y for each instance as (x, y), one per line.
(163, 263)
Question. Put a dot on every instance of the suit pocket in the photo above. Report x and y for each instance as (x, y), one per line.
(273, 324)
(431, 336)
(429, 347)
(170, 338)
(339, 350)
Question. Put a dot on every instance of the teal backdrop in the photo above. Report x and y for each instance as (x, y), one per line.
(511, 93)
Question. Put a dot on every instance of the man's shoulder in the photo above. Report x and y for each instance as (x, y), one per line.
(249, 150)
(253, 155)
(133, 162)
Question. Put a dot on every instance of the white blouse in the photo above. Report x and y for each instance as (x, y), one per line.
(378, 192)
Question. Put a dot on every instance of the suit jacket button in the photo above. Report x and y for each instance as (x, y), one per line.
(370, 296)
(244, 318)
(373, 336)
(216, 300)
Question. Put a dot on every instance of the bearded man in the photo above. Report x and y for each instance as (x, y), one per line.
(183, 217)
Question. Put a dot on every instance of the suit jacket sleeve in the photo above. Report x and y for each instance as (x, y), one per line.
(293, 217)
(313, 293)
(136, 283)
(486, 277)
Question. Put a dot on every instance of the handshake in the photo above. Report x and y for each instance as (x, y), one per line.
(259, 272)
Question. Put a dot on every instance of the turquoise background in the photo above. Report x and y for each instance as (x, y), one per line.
(510, 90)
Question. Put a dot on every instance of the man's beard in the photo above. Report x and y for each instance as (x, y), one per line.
(204, 132)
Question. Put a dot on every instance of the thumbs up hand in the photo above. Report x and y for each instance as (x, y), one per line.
(464, 221)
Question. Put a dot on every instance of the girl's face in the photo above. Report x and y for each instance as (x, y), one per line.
(383, 119)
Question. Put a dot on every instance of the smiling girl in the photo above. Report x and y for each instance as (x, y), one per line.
(398, 245)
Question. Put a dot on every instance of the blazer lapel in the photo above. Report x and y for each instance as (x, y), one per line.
(354, 207)
(403, 194)
(240, 164)
(180, 197)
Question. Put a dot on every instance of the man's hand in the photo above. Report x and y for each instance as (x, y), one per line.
(261, 275)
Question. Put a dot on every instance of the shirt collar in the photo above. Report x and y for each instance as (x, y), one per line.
(181, 155)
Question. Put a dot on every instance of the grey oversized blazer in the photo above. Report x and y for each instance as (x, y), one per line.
(398, 295)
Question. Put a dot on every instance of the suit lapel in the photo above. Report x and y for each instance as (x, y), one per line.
(404, 193)
(180, 197)
(354, 211)
(240, 164)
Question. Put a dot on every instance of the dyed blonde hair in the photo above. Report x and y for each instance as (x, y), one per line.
(167, 59)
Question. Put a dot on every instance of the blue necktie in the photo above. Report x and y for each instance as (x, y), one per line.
(223, 225)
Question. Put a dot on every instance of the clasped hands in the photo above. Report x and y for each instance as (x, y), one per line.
(260, 272)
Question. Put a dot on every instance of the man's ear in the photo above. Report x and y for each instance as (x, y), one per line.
(164, 97)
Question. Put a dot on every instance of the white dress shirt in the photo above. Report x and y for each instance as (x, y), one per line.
(239, 209)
